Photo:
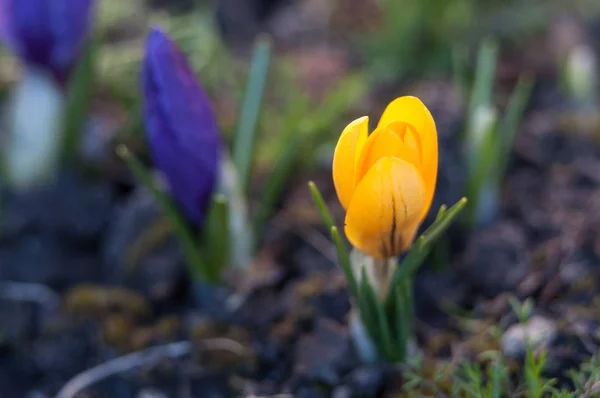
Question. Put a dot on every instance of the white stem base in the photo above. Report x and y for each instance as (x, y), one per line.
(32, 151)
(364, 346)
(379, 272)
(241, 236)
(487, 204)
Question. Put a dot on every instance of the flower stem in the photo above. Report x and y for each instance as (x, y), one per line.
(384, 329)
(241, 234)
(362, 341)
(379, 272)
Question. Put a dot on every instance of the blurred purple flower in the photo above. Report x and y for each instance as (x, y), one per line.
(46, 33)
(181, 128)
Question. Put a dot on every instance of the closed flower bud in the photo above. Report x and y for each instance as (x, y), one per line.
(386, 180)
(181, 128)
(46, 33)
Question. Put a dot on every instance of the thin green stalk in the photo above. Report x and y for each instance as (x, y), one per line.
(370, 321)
(434, 232)
(422, 247)
(78, 102)
(245, 137)
(407, 289)
(216, 240)
(342, 252)
(320, 202)
(496, 379)
(383, 336)
(485, 71)
(402, 333)
(344, 260)
(184, 234)
(486, 159)
(512, 118)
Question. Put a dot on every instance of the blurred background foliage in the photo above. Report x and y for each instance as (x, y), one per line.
(419, 37)
(332, 59)
(388, 40)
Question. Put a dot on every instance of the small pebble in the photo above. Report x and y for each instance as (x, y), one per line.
(342, 392)
(539, 330)
(151, 393)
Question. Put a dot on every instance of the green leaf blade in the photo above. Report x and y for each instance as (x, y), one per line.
(79, 96)
(321, 206)
(245, 136)
(216, 239)
(344, 259)
(421, 248)
(485, 71)
(185, 236)
(513, 116)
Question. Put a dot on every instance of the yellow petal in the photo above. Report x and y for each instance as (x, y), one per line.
(345, 157)
(412, 111)
(383, 142)
(385, 210)
(411, 150)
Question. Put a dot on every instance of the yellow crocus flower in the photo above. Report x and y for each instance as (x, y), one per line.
(386, 180)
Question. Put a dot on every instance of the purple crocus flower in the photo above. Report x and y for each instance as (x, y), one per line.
(181, 128)
(46, 33)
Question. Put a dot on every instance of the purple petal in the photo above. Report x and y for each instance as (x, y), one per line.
(30, 28)
(4, 32)
(48, 33)
(182, 131)
(71, 21)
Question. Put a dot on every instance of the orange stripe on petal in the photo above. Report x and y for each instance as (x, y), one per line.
(345, 157)
(385, 210)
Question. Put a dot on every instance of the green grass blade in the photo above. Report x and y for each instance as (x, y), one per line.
(241, 234)
(486, 160)
(421, 248)
(382, 324)
(245, 137)
(184, 234)
(320, 202)
(441, 212)
(485, 72)
(400, 317)
(512, 118)
(344, 259)
(484, 75)
(340, 247)
(216, 237)
(441, 225)
(373, 316)
(408, 296)
(79, 96)
(497, 378)
(369, 320)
